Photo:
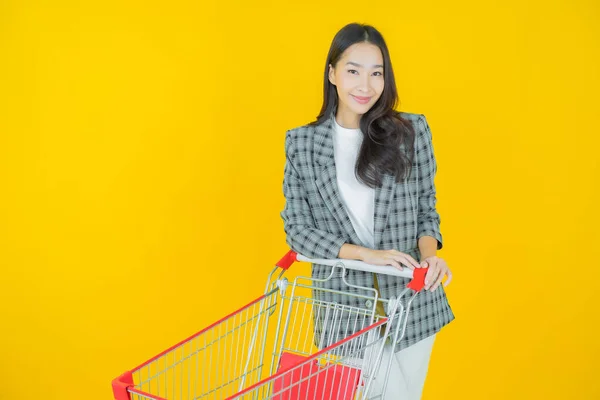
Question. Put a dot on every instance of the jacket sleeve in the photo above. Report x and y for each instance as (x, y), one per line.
(428, 220)
(301, 233)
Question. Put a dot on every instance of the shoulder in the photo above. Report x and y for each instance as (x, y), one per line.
(301, 132)
(417, 120)
(420, 125)
(299, 138)
(411, 117)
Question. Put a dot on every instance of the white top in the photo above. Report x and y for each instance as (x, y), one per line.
(358, 198)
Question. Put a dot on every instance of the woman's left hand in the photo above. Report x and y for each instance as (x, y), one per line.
(437, 270)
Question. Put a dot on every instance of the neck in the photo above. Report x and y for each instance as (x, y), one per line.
(347, 119)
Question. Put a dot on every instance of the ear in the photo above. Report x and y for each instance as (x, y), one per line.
(331, 75)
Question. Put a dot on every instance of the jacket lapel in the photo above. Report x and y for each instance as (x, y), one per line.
(326, 181)
(326, 177)
(384, 197)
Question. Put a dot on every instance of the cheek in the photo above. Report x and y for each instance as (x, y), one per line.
(344, 83)
(379, 85)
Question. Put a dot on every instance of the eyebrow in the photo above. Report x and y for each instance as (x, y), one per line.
(360, 66)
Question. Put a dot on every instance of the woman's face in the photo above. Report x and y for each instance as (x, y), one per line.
(358, 77)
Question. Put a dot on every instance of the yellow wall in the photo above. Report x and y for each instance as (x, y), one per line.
(141, 162)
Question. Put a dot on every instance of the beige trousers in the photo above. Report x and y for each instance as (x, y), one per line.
(407, 373)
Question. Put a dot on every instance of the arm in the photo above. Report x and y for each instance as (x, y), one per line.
(428, 220)
(353, 252)
(301, 234)
(427, 246)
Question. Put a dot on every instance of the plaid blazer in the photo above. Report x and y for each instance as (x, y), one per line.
(317, 225)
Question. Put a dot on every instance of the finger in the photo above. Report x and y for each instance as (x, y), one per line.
(449, 275)
(395, 264)
(409, 261)
(431, 274)
(430, 277)
(392, 262)
(442, 267)
(441, 275)
(413, 261)
(406, 263)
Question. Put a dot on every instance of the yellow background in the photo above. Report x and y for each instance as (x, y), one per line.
(141, 163)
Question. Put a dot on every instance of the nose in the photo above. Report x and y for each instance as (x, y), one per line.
(364, 84)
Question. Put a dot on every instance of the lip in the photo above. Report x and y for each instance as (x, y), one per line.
(361, 100)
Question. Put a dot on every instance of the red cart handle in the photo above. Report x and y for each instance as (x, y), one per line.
(417, 275)
(287, 260)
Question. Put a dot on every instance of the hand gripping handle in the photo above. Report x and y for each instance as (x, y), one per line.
(417, 275)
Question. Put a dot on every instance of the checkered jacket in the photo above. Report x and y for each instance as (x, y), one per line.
(317, 225)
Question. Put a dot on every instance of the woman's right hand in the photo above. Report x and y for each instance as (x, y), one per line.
(388, 257)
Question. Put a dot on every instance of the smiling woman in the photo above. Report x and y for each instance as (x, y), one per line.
(359, 184)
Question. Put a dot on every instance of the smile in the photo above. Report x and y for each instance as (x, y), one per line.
(361, 100)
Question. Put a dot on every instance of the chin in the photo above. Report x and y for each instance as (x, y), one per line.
(357, 108)
(361, 110)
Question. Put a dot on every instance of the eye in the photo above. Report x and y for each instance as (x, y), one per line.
(352, 70)
(377, 72)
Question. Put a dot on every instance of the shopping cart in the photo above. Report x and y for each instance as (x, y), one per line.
(280, 345)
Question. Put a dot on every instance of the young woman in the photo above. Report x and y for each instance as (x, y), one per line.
(359, 184)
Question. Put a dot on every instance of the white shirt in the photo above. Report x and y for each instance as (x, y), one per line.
(358, 198)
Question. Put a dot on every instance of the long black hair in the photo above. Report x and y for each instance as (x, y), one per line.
(386, 133)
